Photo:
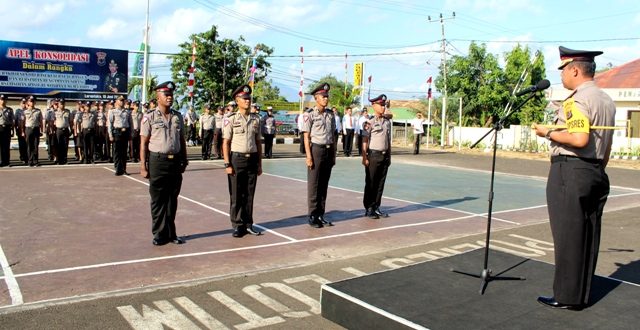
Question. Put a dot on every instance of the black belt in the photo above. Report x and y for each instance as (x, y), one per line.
(379, 152)
(567, 158)
(163, 156)
(244, 154)
(322, 145)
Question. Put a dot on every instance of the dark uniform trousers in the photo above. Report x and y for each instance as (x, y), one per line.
(268, 145)
(347, 142)
(207, 140)
(62, 144)
(88, 136)
(359, 142)
(120, 144)
(134, 154)
(217, 140)
(416, 143)
(576, 193)
(318, 177)
(33, 140)
(375, 176)
(22, 145)
(5, 144)
(51, 143)
(100, 139)
(242, 187)
(165, 182)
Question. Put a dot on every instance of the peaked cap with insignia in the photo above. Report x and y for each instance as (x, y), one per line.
(571, 55)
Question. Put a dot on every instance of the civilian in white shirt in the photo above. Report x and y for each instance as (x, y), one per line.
(348, 124)
(418, 130)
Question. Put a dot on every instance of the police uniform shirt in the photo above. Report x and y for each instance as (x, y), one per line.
(6, 117)
(269, 126)
(88, 120)
(101, 119)
(219, 120)
(32, 117)
(119, 118)
(136, 119)
(319, 125)
(49, 115)
(62, 118)
(379, 132)
(587, 106)
(242, 131)
(191, 118)
(207, 122)
(164, 134)
(18, 116)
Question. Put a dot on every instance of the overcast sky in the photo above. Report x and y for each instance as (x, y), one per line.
(367, 31)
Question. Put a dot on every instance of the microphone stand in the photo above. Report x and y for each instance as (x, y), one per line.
(486, 276)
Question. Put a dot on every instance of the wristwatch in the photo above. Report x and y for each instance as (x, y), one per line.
(548, 135)
(227, 165)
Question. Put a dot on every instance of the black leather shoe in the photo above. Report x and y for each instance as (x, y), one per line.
(323, 221)
(158, 242)
(239, 232)
(252, 231)
(178, 240)
(315, 222)
(380, 213)
(118, 174)
(553, 303)
(371, 214)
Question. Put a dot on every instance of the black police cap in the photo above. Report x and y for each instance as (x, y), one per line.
(243, 92)
(167, 86)
(322, 89)
(380, 99)
(573, 55)
(31, 98)
(2, 97)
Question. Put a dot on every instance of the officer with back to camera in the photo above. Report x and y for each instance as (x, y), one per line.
(242, 161)
(120, 124)
(6, 131)
(162, 140)
(33, 122)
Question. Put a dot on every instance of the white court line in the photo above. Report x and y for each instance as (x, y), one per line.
(195, 254)
(10, 279)
(209, 207)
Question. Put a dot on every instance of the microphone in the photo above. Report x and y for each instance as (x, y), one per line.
(541, 85)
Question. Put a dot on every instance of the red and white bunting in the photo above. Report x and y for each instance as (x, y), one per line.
(192, 69)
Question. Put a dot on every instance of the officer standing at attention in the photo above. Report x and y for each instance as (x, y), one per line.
(207, 126)
(6, 131)
(120, 124)
(50, 129)
(242, 161)
(318, 127)
(88, 122)
(136, 119)
(162, 139)
(32, 124)
(63, 131)
(577, 187)
(18, 128)
(376, 156)
(268, 124)
(217, 133)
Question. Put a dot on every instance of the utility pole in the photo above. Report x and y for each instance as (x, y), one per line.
(444, 72)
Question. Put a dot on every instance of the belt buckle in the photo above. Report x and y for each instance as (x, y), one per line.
(327, 146)
(383, 152)
(169, 156)
(123, 129)
(247, 155)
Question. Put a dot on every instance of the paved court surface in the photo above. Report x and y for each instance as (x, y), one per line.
(76, 242)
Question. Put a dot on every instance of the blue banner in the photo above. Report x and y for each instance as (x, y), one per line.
(62, 71)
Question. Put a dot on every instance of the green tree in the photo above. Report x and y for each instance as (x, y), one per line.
(521, 63)
(221, 66)
(151, 83)
(478, 79)
(337, 97)
(264, 91)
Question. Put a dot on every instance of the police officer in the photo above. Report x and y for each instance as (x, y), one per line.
(7, 121)
(577, 187)
(63, 131)
(136, 119)
(376, 155)
(207, 127)
(217, 133)
(162, 138)
(101, 131)
(191, 118)
(32, 124)
(19, 130)
(88, 132)
(120, 124)
(242, 161)
(50, 128)
(268, 124)
(318, 127)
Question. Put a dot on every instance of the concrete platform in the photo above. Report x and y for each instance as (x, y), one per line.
(430, 296)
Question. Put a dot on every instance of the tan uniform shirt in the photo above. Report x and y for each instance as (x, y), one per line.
(242, 131)
(6, 117)
(164, 133)
(379, 132)
(319, 125)
(32, 118)
(587, 106)
(88, 120)
(207, 122)
(219, 120)
(119, 119)
(136, 119)
(62, 118)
